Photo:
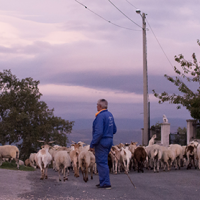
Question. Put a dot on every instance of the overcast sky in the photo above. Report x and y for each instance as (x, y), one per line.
(79, 57)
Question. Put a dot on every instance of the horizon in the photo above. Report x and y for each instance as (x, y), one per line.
(127, 129)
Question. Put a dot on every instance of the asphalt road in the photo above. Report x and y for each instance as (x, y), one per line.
(177, 184)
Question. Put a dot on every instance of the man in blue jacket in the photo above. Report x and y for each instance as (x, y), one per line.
(103, 129)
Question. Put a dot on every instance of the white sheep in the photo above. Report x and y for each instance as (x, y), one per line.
(194, 143)
(9, 151)
(132, 148)
(74, 158)
(32, 160)
(168, 157)
(178, 153)
(62, 161)
(115, 156)
(152, 140)
(155, 154)
(149, 159)
(86, 161)
(53, 153)
(125, 157)
(21, 162)
(27, 162)
(184, 155)
(43, 159)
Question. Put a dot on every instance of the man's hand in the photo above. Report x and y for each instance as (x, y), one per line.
(92, 150)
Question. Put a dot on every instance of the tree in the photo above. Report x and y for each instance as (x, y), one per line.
(188, 98)
(182, 130)
(24, 119)
(156, 129)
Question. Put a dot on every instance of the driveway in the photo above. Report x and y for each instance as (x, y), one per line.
(177, 184)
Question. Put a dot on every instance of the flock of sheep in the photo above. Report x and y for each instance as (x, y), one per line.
(122, 157)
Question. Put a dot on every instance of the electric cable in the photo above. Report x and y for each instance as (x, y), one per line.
(105, 19)
(131, 4)
(162, 48)
(124, 13)
(159, 44)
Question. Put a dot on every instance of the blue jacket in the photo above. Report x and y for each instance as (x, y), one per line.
(103, 127)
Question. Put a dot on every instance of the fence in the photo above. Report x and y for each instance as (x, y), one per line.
(178, 139)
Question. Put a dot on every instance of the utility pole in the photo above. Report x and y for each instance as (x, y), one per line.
(145, 81)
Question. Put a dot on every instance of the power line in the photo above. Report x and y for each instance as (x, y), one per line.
(155, 38)
(123, 13)
(160, 44)
(131, 4)
(104, 18)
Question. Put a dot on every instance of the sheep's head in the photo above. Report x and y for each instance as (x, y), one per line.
(154, 136)
(76, 145)
(133, 143)
(46, 144)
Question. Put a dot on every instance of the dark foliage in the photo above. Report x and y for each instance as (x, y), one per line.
(24, 119)
(188, 98)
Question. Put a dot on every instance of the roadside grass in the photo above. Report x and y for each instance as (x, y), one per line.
(12, 166)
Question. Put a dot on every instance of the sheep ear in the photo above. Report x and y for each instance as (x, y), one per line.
(81, 142)
(51, 142)
(73, 142)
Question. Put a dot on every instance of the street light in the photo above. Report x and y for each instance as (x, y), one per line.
(138, 11)
(145, 82)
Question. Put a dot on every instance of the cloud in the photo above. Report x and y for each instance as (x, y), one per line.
(82, 57)
(83, 94)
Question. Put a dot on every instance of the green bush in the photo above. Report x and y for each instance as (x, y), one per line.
(12, 166)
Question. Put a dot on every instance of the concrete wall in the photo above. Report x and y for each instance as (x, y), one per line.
(143, 142)
(165, 131)
(191, 130)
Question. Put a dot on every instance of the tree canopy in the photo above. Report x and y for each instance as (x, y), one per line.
(182, 130)
(24, 119)
(190, 72)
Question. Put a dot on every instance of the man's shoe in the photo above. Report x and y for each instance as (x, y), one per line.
(108, 187)
(98, 185)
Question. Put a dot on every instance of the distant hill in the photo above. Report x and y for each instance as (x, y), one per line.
(128, 129)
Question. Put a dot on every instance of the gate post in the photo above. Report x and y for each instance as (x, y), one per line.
(165, 131)
(191, 133)
(142, 131)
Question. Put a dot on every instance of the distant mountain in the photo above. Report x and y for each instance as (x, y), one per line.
(123, 136)
(127, 129)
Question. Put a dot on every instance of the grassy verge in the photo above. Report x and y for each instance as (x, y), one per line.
(13, 166)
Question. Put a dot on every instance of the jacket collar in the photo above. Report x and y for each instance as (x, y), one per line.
(99, 112)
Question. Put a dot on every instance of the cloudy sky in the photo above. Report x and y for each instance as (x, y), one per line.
(80, 57)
